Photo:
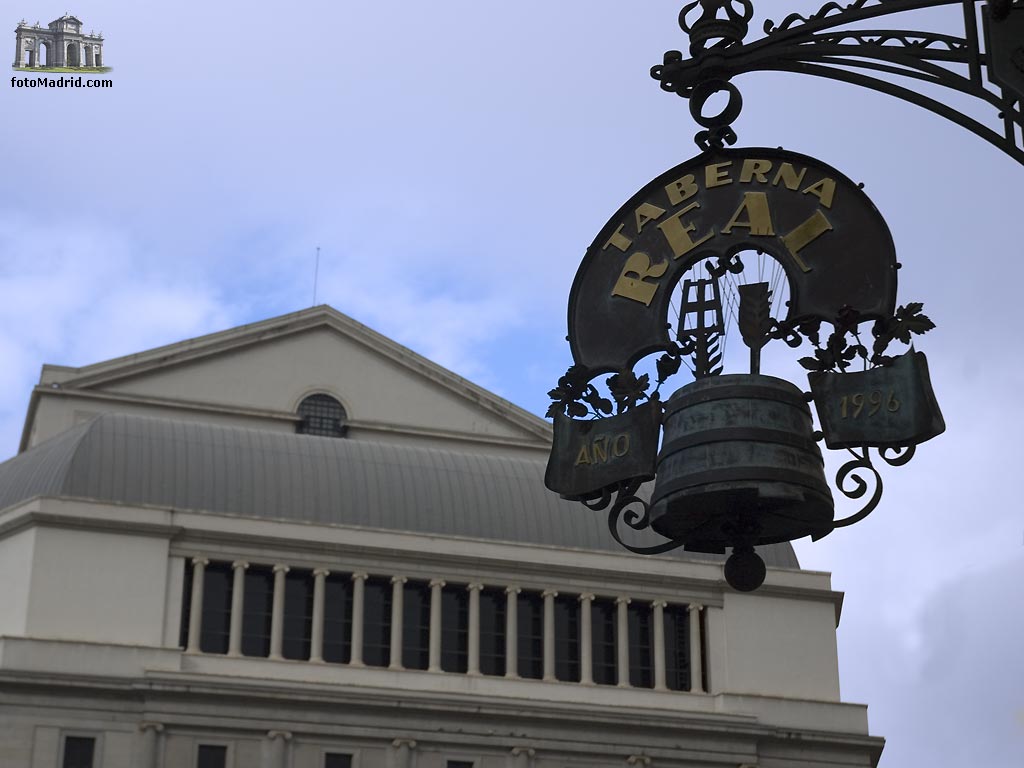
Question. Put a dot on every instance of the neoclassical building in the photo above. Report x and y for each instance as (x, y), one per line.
(297, 544)
(61, 43)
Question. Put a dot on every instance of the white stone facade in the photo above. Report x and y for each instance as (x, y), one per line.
(95, 593)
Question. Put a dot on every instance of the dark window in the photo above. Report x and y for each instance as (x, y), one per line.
(567, 638)
(211, 756)
(641, 651)
(460, 764)
(377, 622)
(322, 415)
(338, 618)
(78, 751)
(603, 634)
(454, 628)
(186, 605)
(492, 631)
(677, 648)
(257, 610)
(298, 614)
(337, 760)
(216, 626)
(416, 625)
(530, 626)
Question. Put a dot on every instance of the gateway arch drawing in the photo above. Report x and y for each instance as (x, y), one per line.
(61, 43)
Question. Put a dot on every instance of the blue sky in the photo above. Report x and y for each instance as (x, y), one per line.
(453, 160)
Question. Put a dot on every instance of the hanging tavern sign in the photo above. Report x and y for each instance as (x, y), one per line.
(739, 463)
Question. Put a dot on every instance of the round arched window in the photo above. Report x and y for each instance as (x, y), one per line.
(322, 415)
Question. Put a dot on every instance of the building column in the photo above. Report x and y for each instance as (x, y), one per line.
(658, 606)
(473, 650)
(358, 598)
(316, 640)
(277, 617)
(195, 616)
(237, 607)
(277, 755)
(397, 595)
(17, 50)
(436, 585)
(622, 641)
(549, 596)
(586, 640)
(696, 658)
(150, 744)
(403, 752)
(522, 756)
(512, 631)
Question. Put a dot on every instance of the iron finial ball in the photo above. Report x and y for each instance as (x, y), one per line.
(744, 570)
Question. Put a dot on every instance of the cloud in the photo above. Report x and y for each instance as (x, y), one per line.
(956, 697)
(79, 293)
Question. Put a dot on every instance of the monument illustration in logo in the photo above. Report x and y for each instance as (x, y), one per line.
(60, 45)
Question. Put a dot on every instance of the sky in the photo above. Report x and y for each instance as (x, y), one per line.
(453, 160)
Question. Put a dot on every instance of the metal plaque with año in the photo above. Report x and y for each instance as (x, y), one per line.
(590, 455)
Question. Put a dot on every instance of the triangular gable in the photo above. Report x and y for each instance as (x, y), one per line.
(269, 366)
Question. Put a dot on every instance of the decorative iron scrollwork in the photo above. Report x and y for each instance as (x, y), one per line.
(624, 510)
(813, 45)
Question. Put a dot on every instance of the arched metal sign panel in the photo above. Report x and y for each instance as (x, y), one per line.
(832, 242)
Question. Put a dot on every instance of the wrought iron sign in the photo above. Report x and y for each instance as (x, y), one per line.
(739, 463)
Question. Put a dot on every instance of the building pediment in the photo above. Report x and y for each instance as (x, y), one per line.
(269, 367)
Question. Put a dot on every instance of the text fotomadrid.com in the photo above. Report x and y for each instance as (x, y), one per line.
(60, 82)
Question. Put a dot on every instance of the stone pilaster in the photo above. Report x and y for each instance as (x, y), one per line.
(658, 608)
(397, 595)
(586, 639)
(435, 624)
(622, 641)
(549, 596)
(696, 657)
(195, 621)
(316, 641)
(277, 617)
(473, 644)
(358, 601)
(512, 631)
(237, 607)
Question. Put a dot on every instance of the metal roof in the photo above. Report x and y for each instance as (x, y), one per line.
(211, 468)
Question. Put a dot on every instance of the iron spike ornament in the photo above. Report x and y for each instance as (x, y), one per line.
(739, 463)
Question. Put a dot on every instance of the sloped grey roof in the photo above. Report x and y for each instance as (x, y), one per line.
(258, 473)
